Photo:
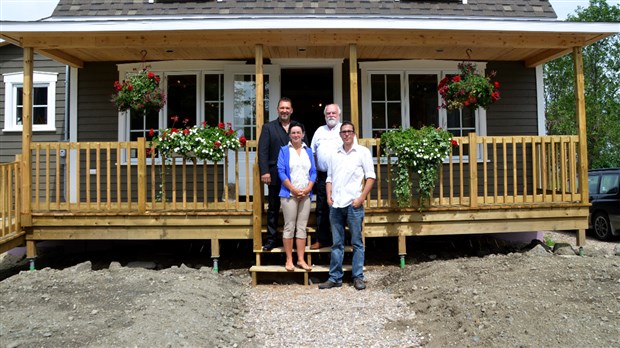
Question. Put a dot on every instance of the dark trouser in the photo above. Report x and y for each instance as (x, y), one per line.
(273, 207)
(323, 230)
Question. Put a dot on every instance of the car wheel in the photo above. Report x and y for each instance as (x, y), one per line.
(601, 226)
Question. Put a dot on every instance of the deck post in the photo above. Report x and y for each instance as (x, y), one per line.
(353, 86)
(26, 197)
(141, 175)
(473, 170)
(257, 205)
(580, 100)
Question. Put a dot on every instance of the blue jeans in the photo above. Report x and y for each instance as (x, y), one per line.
(352, 217)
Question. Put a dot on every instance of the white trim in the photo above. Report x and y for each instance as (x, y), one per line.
(540, 100)
(14, 80)
(161, 24)
(73, 105)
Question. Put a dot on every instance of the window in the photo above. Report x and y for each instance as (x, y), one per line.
(43, 100)
(405, 94)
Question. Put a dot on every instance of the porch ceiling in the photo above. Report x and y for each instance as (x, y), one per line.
(532, 47)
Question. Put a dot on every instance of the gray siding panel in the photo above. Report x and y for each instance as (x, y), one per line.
(98, 117)
(516, 112)
(12, 60)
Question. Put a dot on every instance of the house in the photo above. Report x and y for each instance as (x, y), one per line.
(230, 61)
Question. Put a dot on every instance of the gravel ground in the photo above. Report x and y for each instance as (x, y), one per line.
(450, 294)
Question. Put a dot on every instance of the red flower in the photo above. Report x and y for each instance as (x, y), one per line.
(204, 123)
(495, 96)
(496, 84)
(174, 119)
(217, 144)
(221, 125)
(454, 142)
(130, 87)
(229, 131)
(151, 132)
(157, 78)
(186, 120)
(117, 86)
(174, 130)
(456, 78)
(151, 75)
(242, 140)
(186, 131)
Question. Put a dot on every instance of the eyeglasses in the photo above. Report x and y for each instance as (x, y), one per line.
(347, 132)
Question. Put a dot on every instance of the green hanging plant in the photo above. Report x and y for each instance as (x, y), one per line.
(422, 150)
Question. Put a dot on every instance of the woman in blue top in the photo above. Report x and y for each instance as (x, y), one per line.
(297, 172)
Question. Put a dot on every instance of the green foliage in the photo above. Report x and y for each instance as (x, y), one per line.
(549, 241)
(204, 142)
(601, 62)
(468, 89)
(421, 150)
(140, 92)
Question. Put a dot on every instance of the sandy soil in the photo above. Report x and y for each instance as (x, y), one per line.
(456, 292)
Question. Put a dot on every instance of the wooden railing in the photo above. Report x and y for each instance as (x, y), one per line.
(10, 200)
(128, 177)
(493, 171)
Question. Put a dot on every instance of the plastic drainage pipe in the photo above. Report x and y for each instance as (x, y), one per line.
(215, 266)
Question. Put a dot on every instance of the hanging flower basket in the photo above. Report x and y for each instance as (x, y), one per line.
(468, 89)
(203, 142)
(140, 93)
(422, 151)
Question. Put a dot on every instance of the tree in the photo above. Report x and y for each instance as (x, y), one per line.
(601, 64)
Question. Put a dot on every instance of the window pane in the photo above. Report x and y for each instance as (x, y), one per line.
(39, 115)
(609, 184)
(393, 87)
(469, 118)
(181, 100)
(454, 119)
(40, 96)
(593, 184)
(19, 114)
(394, 115)
(244, 103)
(20, 96)
(377, 91)
(214, 99)
(378, 115)
(423, 100)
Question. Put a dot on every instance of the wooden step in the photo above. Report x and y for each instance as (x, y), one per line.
(347, 249)
(281, 269)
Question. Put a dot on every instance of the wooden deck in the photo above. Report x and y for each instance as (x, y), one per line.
(91, 191)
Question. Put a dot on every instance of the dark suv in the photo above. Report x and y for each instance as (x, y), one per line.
(604, 187)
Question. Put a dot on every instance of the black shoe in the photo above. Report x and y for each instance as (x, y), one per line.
(269, 245)
(359, 284)
(329, 284)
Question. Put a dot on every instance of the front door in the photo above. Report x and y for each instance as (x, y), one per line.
(310, 89)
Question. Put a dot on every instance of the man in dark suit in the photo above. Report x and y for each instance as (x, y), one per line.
(273, 135)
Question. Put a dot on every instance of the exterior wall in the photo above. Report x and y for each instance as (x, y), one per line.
(98, 117)
(12, 60)
(516, 112)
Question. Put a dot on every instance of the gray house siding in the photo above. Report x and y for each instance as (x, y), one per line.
(98, 117)
(11, 60)
(516, 112)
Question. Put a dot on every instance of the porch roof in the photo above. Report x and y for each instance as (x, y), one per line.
(75, 41)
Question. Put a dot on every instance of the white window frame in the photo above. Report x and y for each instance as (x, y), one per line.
(13, 81)
(405, 68)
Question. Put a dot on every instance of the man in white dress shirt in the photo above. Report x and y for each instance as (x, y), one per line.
(346, 193)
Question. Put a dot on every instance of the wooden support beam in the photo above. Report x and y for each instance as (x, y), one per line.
(354, 87)
(473, 170)
(260, 90)
(27, 136)
(580, 99)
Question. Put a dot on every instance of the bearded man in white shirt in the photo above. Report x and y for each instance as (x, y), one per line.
(325, 142)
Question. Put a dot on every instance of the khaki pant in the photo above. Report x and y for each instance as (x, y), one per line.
(296, 212)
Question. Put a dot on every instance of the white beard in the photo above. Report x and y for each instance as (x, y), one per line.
(331, 122)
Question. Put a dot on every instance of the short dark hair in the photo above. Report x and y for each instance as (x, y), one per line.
(285, 99)
(345, 123)
(296, 124)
